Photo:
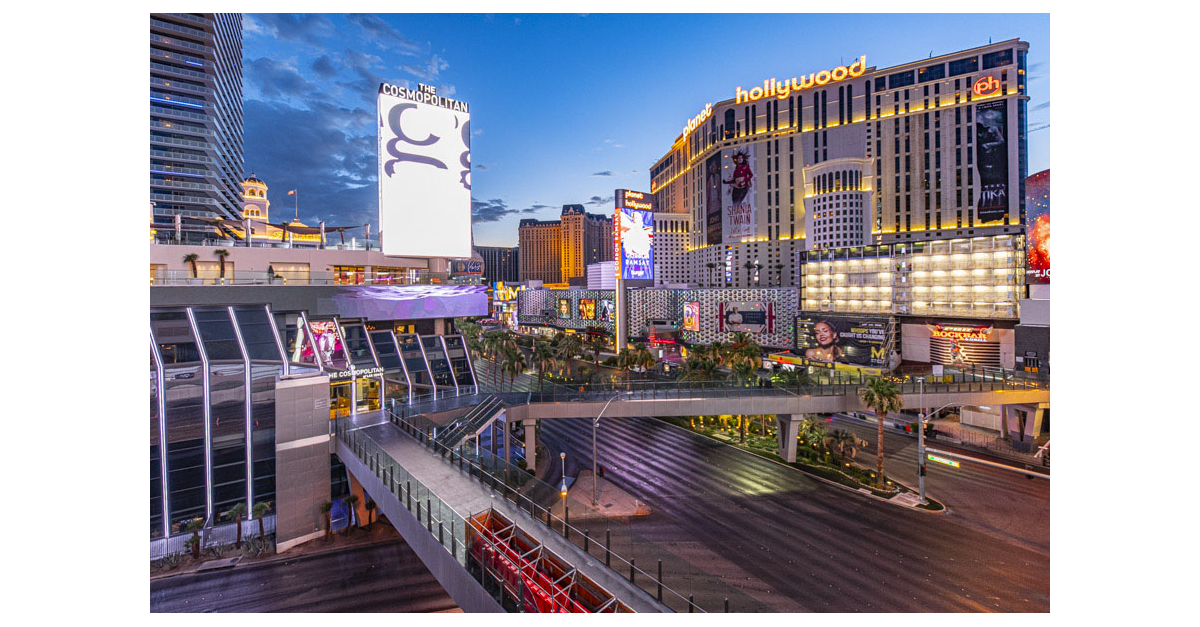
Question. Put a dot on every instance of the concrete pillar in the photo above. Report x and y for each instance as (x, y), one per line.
(504, 428)
(1039, 415)
(439, 326)
(360, 508)
(530, 425)
(788, 428)
(1004, 413)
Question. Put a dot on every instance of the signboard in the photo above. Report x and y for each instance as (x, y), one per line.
(587, 308)
(789, 360)
(1037, 228)
(738, 191)
(604, 310)
(691, 316)
(749, 317)
(460, 267)
(410, 302)
(991, 158)
(352, 373)
(951, 344)
(845, 339)
(564, 308)
(780, 89)
(633, 229)
(424, 173)
(326, 345)
(942, 460)
(712, 200)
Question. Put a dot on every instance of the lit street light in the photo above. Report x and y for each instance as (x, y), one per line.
(921, 443)
(563, 457)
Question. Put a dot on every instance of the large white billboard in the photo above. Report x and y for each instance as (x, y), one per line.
(739, 194)
(424, 173)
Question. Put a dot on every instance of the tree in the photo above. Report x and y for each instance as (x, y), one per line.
(325, 509)
(749, 265)
(191, 258)
(595, 344)
(880, 396)
(514, 364)
(221, 254)
(568, 348)
(194, 526)
(757, 267)
(812, 431)
(543, 360)
(370, 513)
(350, 501)
(712, 265)
(261, 508)
(236, 512)
(791, 378)
(843, 443)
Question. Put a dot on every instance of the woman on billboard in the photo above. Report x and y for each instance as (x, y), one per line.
(825, 332)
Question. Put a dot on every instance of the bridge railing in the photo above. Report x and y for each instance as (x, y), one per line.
(525, 491)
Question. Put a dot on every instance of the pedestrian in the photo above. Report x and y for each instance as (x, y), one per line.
(270, 274)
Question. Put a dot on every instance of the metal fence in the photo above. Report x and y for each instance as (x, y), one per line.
(225, 533)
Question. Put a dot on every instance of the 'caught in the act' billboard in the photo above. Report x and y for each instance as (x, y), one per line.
(858, 340)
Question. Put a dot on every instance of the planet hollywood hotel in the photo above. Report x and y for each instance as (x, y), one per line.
(892, 191)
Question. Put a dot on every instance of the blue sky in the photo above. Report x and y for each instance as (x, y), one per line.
(564, 108)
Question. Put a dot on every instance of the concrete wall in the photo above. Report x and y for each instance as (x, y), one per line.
(302, 448)
(977, 417)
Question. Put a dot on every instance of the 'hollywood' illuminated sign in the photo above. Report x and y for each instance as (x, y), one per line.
(781, 90)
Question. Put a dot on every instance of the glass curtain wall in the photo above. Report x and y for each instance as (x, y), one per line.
(227, 408)
(183, 400)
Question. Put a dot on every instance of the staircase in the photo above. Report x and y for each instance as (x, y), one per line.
(471, 422)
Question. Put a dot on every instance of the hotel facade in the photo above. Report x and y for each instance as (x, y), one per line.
(850, 156)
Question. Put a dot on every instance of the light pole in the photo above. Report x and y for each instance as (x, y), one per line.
(563, 457)
(921, 442)
(596, 425)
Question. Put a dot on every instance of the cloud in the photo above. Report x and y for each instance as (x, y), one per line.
(384, 35)
(324, 67)
(536, 208)
(489, 210)
(1039, 106)
(480, 166)
(305, 28)
(597, 201)
(430, 71)
(268, 79)
(604, 173)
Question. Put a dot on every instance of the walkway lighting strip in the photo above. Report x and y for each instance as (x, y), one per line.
(237, 332)
(204, 376)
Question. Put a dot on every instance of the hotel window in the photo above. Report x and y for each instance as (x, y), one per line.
(792, 111)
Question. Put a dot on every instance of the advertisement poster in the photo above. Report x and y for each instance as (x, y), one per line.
(737, 194)
(749, 317)
(327, 343)
(604, 312)
(991, 158)
(460, 267)
(424, 172)
(952, 345)
(564, 308)
(587, 308)
(691, 316)
(712, 201)
(858, 340)
(637, 244)
(1037, 228)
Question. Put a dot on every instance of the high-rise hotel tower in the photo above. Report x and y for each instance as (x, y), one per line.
(195, 120)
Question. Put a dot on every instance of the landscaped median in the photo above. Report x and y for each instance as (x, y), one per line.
(827, 456)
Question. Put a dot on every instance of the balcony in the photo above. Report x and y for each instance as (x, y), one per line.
(180, 156)
(184, 277)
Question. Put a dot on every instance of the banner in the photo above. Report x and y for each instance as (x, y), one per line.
(691, 316)
(991, 159)
(712, 201)
(951, 344)
(1037, 228)
(738, 194)
(749, 317)
(636, 228)
(564, 308)
(587, 308)
(604, 312)
(830, 338)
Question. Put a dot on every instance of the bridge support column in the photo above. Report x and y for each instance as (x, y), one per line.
(788, 428)
(530, 425)
(504, 428)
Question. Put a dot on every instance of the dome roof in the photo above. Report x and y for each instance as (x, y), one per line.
(254, 179)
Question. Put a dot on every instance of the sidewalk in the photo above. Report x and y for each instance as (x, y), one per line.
(952, 434)
(611, 501)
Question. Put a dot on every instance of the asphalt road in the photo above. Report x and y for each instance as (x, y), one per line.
(774, 539)
(385, 577)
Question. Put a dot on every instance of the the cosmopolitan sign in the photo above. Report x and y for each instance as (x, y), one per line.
(773, 87)
(354, 373)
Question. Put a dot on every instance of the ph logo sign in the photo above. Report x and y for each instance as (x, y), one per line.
(986, 86)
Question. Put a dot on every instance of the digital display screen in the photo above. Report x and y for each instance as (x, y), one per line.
(858, 340)
(410, 302)
(691, 316)
(564, 308)
(587, 308)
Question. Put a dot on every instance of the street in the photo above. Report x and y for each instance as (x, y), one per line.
(775, 539)
(383, 577)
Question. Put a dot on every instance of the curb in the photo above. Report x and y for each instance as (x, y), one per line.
(270, 560)
(944, 510)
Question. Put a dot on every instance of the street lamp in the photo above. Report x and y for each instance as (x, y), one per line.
(596, 425)
(921, 442)
(563, 457)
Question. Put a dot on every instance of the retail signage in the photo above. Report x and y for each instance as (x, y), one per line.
(786, 359)
(504, 292)
(695, 122)
(691, 316)
(962, 344)
(1037, 228)
(459, 267)
(749, 317)
(353, 373)
(986, 86)
(633, 230)
(424, 173)
(781, 90)
(961, 333)
(991, 157)
(738, 200)
(847, 339)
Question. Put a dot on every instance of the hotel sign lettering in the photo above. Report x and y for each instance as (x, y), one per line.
(781, 90)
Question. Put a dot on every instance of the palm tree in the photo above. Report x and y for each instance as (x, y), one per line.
(191, 258)
(221, 253)
(194, 526)
(261, 508)
(370, 513)
(543, 359)
(595, 344)
(716, 352)
(842, 442)
(514, 364)
(236, 512)
(325, 509)
(350, 501)
(812, 431)
(757, 267)
(880, 396)
(712, 265)
(749, 265)
(791, 378)
(568, 348)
